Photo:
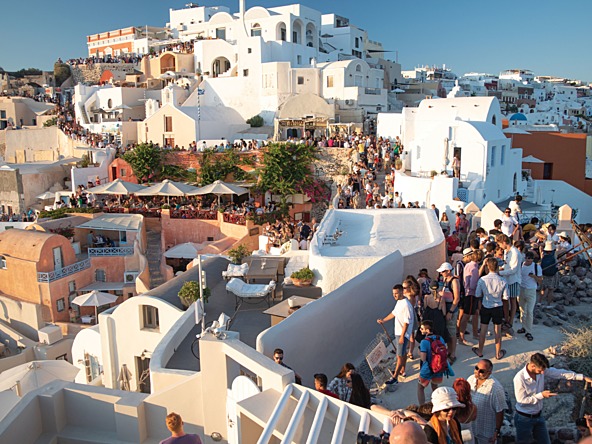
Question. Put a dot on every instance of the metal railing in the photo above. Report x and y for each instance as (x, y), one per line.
(69, 270)
(373, 91)
(111, 251)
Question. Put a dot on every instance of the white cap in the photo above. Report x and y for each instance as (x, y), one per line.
(445, 266)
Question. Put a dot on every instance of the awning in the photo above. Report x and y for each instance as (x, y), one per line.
(107, 286)
(114, 222)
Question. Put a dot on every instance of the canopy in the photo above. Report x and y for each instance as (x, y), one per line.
(218, 187)
(94, 299)
(167, 188)
(46, 195)
(114, 222)
(32, 375)
(118, 186)
(515, 130)
(188, 250)
(532, 159)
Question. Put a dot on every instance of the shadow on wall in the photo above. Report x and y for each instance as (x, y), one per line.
(333, 330)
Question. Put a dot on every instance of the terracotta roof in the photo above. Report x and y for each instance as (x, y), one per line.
(23, 244)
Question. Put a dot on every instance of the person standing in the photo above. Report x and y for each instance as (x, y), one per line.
(531, 277)
(529, 389)
(490, 399)
(511, 273)
(451, 296)
(174, 423)
(426, 373)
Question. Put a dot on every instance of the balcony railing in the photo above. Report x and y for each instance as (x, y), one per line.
(373, 91)
(69, 270)
(111, 251)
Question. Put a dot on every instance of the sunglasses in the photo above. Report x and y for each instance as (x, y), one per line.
(480, 370)
(451, 409)
(278, 358)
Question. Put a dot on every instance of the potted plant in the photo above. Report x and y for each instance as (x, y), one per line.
(189, 293)
(302, 277)
(238, 254)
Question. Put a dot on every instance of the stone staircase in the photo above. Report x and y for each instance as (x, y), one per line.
(153, 254)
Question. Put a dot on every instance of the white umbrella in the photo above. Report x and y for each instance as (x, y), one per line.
(532, 159)
(398, 90)
(94, 299)
(32, 375)
(188, 250)
(219, 188)
(46, 195)
(167, 188)
(118, 186)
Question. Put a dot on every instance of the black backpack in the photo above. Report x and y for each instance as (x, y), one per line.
(549, 265)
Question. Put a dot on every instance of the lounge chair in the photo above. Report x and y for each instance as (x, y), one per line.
(245, 292)
(235, 271)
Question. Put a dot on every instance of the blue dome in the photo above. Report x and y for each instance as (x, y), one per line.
(518, 116)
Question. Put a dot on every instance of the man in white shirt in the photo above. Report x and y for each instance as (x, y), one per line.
(529, 389)
(531, 276)
(509, 223)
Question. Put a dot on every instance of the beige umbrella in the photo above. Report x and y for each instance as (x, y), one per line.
(32, 375)
(219, 188)
(188, 250)
(167, 188)
(94, 299)
(118, 186)
(45, 196)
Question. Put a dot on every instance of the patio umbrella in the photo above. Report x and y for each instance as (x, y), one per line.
(124, 378)
(32, 375)
(118, 186)
(188, 250)
(94, 299)
(219, 188)
(167, 188)
(46, 195)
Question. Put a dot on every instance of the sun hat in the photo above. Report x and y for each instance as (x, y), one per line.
(445, 266)
(563, 234)
(466, 251)
(549, 246)
(444, 398)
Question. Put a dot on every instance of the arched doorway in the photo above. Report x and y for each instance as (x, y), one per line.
(167, 63)
(220, 66)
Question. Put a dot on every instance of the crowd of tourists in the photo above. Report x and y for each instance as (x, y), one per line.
(92, 60)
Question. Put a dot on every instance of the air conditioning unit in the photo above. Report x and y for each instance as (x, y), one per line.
(349, 102)
(129, 277)
(50, 334)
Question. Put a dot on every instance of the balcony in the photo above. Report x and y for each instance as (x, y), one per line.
(69, 270)
(111, 251)
(373, 91)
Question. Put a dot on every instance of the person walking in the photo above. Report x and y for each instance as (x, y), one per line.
(529, 389)
(450, 293)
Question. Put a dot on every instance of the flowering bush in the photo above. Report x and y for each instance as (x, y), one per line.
(317, 191)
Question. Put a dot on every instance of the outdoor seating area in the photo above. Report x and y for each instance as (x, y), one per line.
(244, 292)
(238, 271)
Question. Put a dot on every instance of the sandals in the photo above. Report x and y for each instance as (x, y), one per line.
(476, 351)
(528, 336)
(410, 356)
(501, 355)
(452, 359)
(521, 331)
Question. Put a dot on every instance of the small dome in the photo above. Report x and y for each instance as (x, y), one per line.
(518, 116)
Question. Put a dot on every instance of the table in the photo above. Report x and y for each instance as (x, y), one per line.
(87, 319)
(262, 269)
(281, 311)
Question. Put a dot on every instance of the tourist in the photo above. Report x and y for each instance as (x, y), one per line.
(584, 426)
(531, 277)
(426, 374)
(178, 436)
(529, 389)
(453, 244)
(443, 427)
(509, 224)
(550, 274)
(456, 166)
(493, 290)
(408, 432)
(278, 357)
(340, 384)
(434, 309)
(403, 316)
(445, 223)
(462, 227)
(489, 397)
(467, 414)
(511, 273)
(320, 382)
(450, 291)
(471, 301)
(412, 291)
(360, 395)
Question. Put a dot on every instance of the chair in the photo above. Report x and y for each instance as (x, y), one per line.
(244, 292)
(235, 271)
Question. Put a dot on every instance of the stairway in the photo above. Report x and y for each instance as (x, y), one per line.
(153, 254)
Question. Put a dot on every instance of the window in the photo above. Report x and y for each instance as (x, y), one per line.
(249, 50)
(503, 157)
(168, 124)
(149, 317)
(357, 42)
(221, 33)
(358, 68)
(2, 263)
(300, 80)
(2, 114)
(72, 287)
(299, 60)
(109, 103)
(61, 305)
(492, 158)
(122, 172)
(100, 275)
(294, 36)
(245, 73)
(256, 30)
(329, 81)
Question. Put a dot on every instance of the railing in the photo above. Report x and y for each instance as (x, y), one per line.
(152, 212)
(373, 91)
(51, 276)
(237, 219)
(194, 214)
(111, 251)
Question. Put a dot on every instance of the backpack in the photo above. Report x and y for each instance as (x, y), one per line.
(438, 361)
(549, 265)
(459, 271)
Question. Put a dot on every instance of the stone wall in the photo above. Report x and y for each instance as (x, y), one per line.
(91, 74)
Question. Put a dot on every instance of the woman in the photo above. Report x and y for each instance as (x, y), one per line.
(471, 302)
(360, 395)
(339, 384)
(468, 413)
(450, 292)
(435, 310)
(445, 223)
(443, 427)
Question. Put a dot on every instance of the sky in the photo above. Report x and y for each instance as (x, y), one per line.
(467, 35)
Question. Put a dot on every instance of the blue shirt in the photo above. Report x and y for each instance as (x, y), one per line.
(425, 371)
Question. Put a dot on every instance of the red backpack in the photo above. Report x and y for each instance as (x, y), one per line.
(439, 356)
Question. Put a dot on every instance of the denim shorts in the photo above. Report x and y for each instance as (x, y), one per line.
(402, 348)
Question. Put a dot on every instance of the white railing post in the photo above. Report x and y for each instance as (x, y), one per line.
(275, 416)
(317, 422)
(296, 417)
(340, 424)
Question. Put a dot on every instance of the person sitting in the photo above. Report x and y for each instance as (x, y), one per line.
(320, 381)
(443, 427)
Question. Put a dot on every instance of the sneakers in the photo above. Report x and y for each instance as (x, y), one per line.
(392, 381)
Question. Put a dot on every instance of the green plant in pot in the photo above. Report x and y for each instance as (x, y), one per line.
(189, 293)
(238, 254)
(302, 277)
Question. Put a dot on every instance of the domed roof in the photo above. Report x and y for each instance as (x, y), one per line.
(518, 116)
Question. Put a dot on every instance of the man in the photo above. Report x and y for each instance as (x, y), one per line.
(462, 226)
(426, 375)
(492, 290)
(178, 436)
(437, 211)
(490, 399)
(531, 277)
(529, 389)
(320, 381)
(509, 223)
(278, 357)
(511, 273)
(403, 315)
(408, 432)
(550, 274)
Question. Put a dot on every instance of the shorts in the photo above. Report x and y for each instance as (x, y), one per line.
(451, 324)
(437, 380)
(550, 282)
(514, 290)
(471, 304)
(496, 314)
(402, 349)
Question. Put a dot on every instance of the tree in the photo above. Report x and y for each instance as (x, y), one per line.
(61, 72)
(145, 160)
(216, 166)
(286, 170)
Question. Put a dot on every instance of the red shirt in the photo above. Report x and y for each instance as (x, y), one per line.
(328, 393)
(452, 243)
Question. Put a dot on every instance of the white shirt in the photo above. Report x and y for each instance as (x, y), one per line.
(403, 313)
(529, 392)
(508, 225)
(529, 282)
(511, 271)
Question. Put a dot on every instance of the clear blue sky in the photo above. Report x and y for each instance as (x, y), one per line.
(546, 36)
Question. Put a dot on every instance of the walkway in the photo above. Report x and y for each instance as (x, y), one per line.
(154, 256)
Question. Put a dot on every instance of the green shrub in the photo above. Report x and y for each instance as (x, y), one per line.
(303, 274)
(64, 212)
(238, 254)
(256, 121)
(189, 293)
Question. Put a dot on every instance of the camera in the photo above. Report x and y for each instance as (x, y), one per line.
(371, 439)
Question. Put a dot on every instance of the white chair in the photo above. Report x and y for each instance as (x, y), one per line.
(235, 271)
(244, 292)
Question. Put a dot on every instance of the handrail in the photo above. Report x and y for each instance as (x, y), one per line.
(275, 416)
(364, 422)
(296, 417)
(110, 251)
(315, 428)
(340, 424)
(50, 276)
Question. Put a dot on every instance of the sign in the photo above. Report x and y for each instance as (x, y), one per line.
(376, 355)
